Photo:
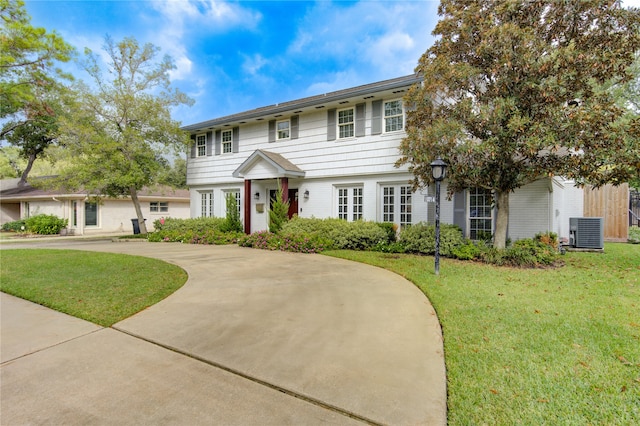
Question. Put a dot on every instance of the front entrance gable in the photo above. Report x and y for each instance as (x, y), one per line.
(267, 165)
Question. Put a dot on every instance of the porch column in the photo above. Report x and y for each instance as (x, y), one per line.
(284, 184)
(247, 206)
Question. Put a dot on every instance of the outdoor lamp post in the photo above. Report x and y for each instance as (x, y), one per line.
(438, 172)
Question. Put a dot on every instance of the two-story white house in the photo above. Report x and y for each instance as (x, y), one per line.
(334, 155)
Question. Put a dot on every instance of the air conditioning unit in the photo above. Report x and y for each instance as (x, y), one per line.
(586, 232)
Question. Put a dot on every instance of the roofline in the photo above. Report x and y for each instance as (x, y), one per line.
(308, 102)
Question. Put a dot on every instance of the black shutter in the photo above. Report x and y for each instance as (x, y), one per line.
(331, 124)
(460, 210)
(376, 117)
(218, 141)
(294, 126)
(209, 144)
(272, 131)
(236, 139)
(193, 146)
(360, 118)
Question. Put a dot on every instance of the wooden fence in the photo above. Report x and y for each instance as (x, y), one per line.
(611, 203)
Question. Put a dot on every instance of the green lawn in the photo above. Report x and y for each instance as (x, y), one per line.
(103, 288)
(533, 347)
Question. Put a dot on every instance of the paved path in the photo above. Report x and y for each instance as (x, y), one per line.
(254, 337)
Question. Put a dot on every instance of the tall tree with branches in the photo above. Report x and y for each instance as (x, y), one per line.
(30, 83)
(515, 91)
(121, 126)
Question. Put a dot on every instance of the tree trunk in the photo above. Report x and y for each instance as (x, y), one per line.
(136, 205)
(502, 219)
(25, 173)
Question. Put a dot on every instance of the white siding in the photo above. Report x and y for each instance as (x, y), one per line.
(529, 208)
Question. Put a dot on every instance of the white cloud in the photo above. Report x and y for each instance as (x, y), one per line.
(252, 64)
(376, 40)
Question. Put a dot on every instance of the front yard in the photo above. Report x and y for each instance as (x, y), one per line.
(535, 346)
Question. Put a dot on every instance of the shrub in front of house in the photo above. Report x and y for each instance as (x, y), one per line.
(210, 236)
(297, 243)
(634, 235)
(15, 226)
(45, 224)
(421, 238)
(357, 235)
(198, 224)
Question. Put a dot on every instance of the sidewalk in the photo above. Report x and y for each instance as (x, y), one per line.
(254, 337)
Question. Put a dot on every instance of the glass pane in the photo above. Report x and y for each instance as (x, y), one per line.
(90, 214)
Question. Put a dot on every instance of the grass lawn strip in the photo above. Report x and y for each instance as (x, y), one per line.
(535, 346)
(103, 288)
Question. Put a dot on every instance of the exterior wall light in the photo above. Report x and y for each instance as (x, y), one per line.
(256, 196)
(306, 194)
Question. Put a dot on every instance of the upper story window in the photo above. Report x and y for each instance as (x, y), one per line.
(158, 207)
(227, 141)
(201, 145)
(393, 116)
(283, 128)
(345, 123)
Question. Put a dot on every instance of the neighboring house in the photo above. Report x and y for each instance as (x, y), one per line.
(87, 216)
(335, 156)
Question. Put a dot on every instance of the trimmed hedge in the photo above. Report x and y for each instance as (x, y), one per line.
(358, 235)
(45, 224)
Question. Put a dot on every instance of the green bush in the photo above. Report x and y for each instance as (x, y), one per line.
(199, 224)
(421, 238)
(634, 234)
(390, 228)
(358, 235)
(44, 224)
(527, 252)
(232, 222)
(467, 251)
(211, 236)
(279, 213)
(15, 226)
(301, 243)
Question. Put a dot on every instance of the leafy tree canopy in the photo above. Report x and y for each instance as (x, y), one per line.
(120, 127)
(28, 56)
(515, 91)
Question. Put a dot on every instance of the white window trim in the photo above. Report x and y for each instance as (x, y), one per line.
(469, 217)
(351, 215)
(224, 143)
(204, 197)
(278, 138)
(352, 123)
(384, 117)
(238, 195)
(397, 203)
(204, 145)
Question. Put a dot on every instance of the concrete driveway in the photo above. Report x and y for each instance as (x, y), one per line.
(254, 337)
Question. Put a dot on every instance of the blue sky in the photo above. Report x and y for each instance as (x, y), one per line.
(235, 56)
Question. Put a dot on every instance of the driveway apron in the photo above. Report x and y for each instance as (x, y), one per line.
(253, 337)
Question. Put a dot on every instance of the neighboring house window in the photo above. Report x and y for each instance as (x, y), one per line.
(283, 129)
(393, 116)
(227, 141)
(158, 207)
(90, 214)
(27, 210)
(206, 204)
(350, 203)
(345, 123)
(480, 213)
(396, 204)
(74, 214)
(201, 145)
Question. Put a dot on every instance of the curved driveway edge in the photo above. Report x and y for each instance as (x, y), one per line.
(343, 338)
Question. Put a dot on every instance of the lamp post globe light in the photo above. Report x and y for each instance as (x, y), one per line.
(438, 172)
